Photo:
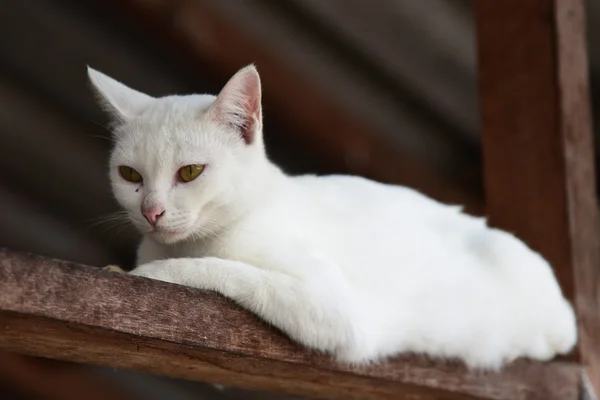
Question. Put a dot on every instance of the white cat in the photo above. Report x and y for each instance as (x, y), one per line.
(343, 265)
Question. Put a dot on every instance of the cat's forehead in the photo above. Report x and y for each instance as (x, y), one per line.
(171, 128)
(171, 113)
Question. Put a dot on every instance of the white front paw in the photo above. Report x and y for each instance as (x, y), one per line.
(153, 270)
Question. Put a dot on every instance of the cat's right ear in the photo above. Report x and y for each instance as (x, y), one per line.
(122, 102)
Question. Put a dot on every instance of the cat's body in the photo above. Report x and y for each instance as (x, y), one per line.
(342, 264)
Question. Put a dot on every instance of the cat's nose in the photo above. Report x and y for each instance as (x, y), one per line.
(152, 214)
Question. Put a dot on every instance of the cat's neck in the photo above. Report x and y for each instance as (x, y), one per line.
(267, 179)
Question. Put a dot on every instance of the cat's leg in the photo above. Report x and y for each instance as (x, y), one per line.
(317, 311)
(146, 252)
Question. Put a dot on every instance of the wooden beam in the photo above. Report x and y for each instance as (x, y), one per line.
(52, 380)
(346, 141)
(65, 311)
(539, 160)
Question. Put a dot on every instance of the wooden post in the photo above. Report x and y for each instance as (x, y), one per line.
(538, 150)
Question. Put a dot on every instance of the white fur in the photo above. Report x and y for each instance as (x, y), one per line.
(343, 265)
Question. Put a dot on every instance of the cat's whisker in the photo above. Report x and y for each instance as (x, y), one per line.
(116, 222)
(108, 218)
(215, 234)
(205, 233)
(196, 235)
(102, 137)
(116, 228)
(106, 128)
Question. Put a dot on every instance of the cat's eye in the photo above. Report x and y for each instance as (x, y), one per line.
(190, 172)
(130, 174)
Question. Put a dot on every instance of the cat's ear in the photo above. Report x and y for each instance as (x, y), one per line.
(121, 101)
(238, 106)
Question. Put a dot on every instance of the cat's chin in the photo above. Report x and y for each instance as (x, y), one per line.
(168, 237)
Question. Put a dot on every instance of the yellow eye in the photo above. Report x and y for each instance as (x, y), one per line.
(190, 172)
(130, 174)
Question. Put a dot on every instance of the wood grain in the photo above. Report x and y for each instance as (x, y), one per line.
(538, 150)
(70, 312)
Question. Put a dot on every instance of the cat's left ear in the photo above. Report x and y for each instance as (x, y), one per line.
(121, 101)
(238, 105)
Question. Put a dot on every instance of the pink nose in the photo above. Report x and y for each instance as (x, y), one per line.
(152, 214)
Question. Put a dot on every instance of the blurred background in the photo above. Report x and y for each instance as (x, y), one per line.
(384, 89)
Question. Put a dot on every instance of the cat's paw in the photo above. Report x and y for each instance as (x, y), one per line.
(552, 335)
(153, 270)
(114, 268)
(542, 323)
(560, 335)
(543, 331)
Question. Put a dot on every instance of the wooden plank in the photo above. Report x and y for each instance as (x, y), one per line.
(52, 380)
(65, 311)
(346, 141)
(539, 161)
(587, 390)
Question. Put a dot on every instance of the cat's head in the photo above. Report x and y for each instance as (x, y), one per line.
(182, 165)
